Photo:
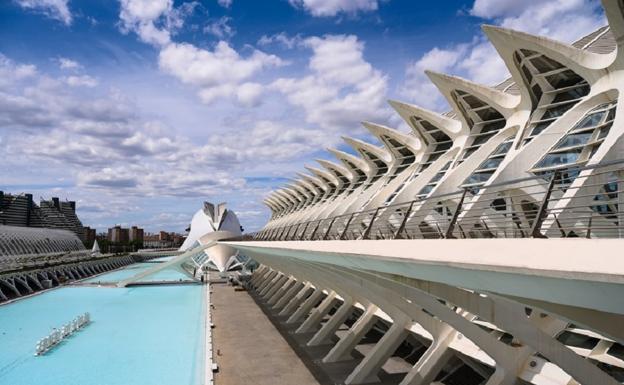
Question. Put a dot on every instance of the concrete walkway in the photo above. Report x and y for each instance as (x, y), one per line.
(247, 348)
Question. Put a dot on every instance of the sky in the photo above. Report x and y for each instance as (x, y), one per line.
(140, 110)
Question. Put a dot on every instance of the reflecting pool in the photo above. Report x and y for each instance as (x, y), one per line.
(138, 335)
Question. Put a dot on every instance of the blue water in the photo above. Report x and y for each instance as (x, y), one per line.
(140, 335)
(164, 275)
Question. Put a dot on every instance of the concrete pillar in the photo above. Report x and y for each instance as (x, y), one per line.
(317, 314)
(306, 306)
(262, 278)
(275, 288)
(280, 292)
(297, 300)
(288, 295)
(258, 275)
(267, 280)
(330, 327)
(275, 281)
(342, 350)
(432, 361)
(367, 370)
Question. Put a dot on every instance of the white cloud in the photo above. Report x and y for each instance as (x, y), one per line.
(217, 73)
(68, 64)
(249, 94)
(141, 17)
(477, 60)
(341, 89)
(280, 38)
(334, 7)
(225, 3)
(116, 151)
(54, 9)
(154, 21)
(81, 81)
(220, 28)
(544, 17)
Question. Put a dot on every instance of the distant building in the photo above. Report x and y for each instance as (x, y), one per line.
(136, 234)
(89, 235)
(162, 240)
(20, 210)
(118, 234)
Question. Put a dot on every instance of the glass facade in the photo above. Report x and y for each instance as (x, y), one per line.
(581, 142)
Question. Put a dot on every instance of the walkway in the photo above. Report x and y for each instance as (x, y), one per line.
(247, 348)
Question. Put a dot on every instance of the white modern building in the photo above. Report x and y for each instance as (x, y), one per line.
(487, 239)
(213, 223)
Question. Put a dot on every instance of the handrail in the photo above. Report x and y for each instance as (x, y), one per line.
(545, 208)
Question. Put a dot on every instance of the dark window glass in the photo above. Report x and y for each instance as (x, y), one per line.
(577, 340)
(551, 160)
(557, 111)
(617, 350)
(574, 140)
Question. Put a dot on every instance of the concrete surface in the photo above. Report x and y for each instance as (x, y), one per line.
(247, 347)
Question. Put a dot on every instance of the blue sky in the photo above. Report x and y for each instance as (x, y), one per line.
(141, 109)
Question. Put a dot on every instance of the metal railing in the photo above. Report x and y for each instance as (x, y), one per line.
(574, 202)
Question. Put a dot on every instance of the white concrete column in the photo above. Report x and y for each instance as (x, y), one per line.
(317, 314)
(297, 300)
(330, 327)
(258, 274)
(367, 370)
(266, 280)
(271, 283)
(433, 360)
(275, 287)
(280, 292)
(342, 350)
(289, 295)
(306, 306)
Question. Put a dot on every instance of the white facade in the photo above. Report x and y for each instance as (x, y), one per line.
(212, 223)
(388, 236)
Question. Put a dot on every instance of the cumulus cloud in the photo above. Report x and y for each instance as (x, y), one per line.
(225, 3)
(81, 81)
(334, 7)
(217, 73)
(154, 21)
(281, 38)
(341, 88)
(220, 28)
(102, 143)
(544, 17)
(477, 60)
(54, 9)
(68, 64)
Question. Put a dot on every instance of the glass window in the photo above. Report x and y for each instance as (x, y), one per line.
(491, 163)
(574, 140)
(617, 350)
(551, 160)
(577, 340)
(539, 127)
(557, 111)
(590, 120)
(503, 148)
(604, 131)
(479, 177)
(426, 190)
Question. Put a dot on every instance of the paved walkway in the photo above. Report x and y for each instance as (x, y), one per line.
(246, 345)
